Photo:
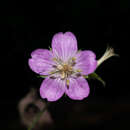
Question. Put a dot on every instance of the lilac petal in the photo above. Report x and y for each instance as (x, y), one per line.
(78, 88)
(41, 61)
(42, 53)
(52, 89)
(64, 45)
(86, 62)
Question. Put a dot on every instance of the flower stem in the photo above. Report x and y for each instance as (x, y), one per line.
(36, 119)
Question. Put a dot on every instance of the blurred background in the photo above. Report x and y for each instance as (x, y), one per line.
(28, 25)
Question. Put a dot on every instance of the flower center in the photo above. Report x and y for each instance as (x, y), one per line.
(65, 69)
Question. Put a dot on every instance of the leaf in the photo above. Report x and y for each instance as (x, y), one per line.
(41, 76)
(95, 76)
(79, 50)
(50, 48)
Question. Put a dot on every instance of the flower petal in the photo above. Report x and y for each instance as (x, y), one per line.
(41, 61)
(52, 89)
(64, 45)
(78, 88)
(86, 62)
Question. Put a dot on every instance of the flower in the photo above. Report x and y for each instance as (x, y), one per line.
(64, 67)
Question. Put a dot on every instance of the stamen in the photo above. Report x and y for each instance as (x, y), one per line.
(63, 75)
(54, 59)
(53, 72)
(73, 58)
(78, 70)
(57, 60)
(67, 83)
(59, 67)
(72, 61)
(65, 69)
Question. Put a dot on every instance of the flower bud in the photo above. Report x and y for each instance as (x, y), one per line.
(108, 53)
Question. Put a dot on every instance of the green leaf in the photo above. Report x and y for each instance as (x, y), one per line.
(95, 76)
(41, 76)
(50, 48)
(79, 50)
(86, 76)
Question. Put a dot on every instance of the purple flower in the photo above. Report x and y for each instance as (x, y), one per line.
(64, 67)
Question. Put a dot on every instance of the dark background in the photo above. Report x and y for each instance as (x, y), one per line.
(26, 26)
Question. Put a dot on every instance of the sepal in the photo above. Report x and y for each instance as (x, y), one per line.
(95, 76)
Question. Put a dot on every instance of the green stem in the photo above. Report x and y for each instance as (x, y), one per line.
(36, 119)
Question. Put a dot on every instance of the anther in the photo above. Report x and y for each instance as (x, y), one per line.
(73, 58)
(78, 70)
(67, 83)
